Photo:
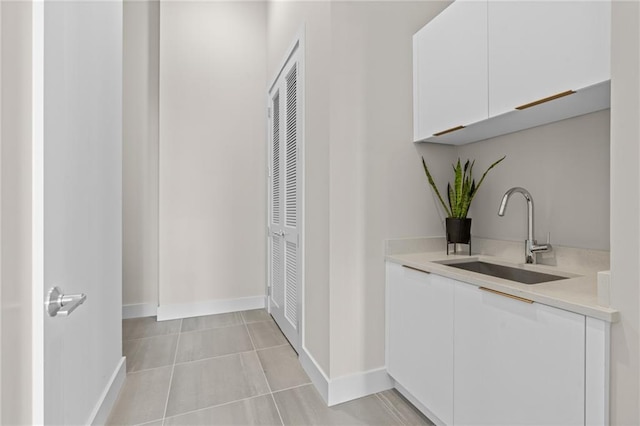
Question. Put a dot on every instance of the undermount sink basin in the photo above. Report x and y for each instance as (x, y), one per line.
(524, 276)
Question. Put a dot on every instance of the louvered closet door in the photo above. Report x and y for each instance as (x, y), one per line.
(284, 208)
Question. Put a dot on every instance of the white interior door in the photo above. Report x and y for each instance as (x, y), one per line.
(285, 254)
(77, 186)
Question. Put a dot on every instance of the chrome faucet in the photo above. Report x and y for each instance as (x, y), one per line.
(531, 247)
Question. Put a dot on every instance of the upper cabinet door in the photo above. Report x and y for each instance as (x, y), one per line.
(450, 69)
(538, 49)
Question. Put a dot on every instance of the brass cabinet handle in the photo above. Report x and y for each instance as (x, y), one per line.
(547, 99)
(510, 296)
(444, 132)
(415, 269)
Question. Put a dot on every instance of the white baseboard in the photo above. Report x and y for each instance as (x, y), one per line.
(109, 395)
(139, 310)
(209, 307)
(315, 373)
(346, 388)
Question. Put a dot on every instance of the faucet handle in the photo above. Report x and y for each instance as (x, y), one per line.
(548, 237)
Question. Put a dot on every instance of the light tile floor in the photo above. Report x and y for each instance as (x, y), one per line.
(232, 369)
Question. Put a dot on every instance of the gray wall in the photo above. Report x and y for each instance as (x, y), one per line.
(565, 167)
(625, 213)
(212, 151)
(16, 213)
(140, 152)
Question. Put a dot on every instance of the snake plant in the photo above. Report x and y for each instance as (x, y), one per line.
(463, 190)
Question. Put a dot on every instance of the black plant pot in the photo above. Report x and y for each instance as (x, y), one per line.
(458, 230)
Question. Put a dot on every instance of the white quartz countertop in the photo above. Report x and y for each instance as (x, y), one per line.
(577, 293)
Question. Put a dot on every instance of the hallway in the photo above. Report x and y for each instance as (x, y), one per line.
(234, 368)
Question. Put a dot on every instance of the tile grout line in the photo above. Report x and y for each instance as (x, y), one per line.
(390, 409)
(173, 368)
(130, 358)
(264, 374)
(150, 337)
(292, 387)
(211, 328)
(214, 357)
(219, 405)
(211, 357)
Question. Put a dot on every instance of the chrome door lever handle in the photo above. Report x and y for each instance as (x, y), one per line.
(62, 304)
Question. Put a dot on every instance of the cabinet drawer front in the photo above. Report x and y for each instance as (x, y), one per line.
(515, 362)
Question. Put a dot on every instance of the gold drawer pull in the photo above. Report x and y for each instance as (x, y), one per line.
(415, 269)
(543, 100)
(510, 296)
(444, 132)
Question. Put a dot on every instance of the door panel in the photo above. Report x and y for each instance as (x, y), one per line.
(277, 279)
(80, 184)
(284, 200)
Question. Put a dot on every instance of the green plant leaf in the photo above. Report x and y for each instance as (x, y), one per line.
(457, 187)
(464, 199)
(435, 188)
(452, 200)
(464, 188)
(485, 174)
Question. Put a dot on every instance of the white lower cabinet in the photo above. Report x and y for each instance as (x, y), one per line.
(420, 337)
(467, 356)
(516, 363)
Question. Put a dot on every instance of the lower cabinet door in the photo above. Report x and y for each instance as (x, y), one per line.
(516, 363)
(420, 337)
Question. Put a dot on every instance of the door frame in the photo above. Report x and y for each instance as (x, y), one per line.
(298, 44)
(37, 213)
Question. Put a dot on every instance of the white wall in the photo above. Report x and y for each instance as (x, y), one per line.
(284, 20)
(212, 151)
(15, 254)
(625, 213)
(359, 187)
(565, 167)
(378, 187)
(140, 152)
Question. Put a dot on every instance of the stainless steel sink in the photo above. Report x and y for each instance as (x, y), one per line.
(524, 276)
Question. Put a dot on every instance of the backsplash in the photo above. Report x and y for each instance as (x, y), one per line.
(413, 245)
(565, 167)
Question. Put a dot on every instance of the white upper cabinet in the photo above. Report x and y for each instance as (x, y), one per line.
(450, 69)
(479, 62)
(538, 49)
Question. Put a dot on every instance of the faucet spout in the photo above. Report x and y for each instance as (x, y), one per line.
(527, 196)
(531, 246)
